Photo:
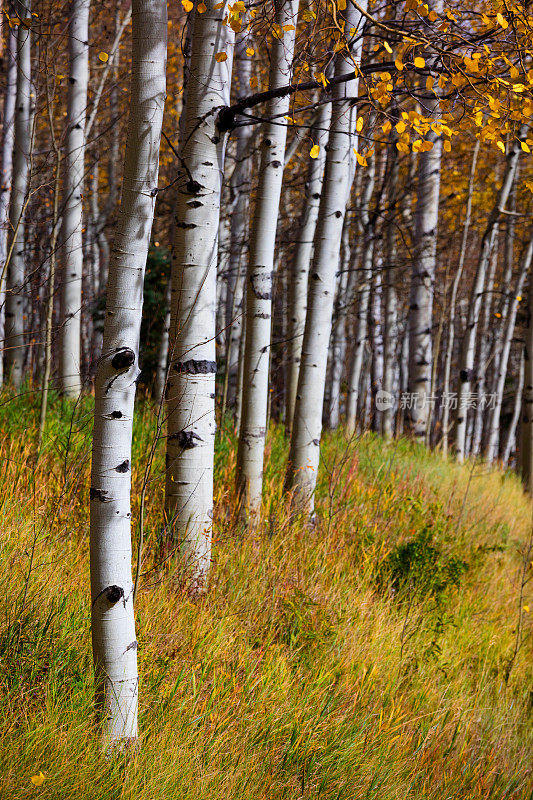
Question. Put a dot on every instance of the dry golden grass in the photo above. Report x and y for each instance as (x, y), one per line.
(313, 668)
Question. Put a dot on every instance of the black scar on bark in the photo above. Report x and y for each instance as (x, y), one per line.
(196, 367)
(124, 467)
(194, 203)
(466, 375)
(186, 439)
(338, 214)
(116, 414)
(123, 358)
(193, 187)
(276, 164)
(131, 646)
(98, 494)
(114, 593)
(316, 442)
(187, 225)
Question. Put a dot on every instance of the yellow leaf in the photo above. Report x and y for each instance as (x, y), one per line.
(341, 5)
(402, 147)
(398, 64)
(187, 5)
(220, 57)
(386, 127)
(419, 62)
(526, 609)
(501, 145)
(518, 297)
(250, 51)
(361, 160)
(321, 78)
(288, 28)
(387, 47)
(202, 8)
(400, 127)
(38, 779)
(359, 124)
(447, 147)
(500, 19)
(218, 6)
(315, 150)
(103, 56)
(525, 147)
(429, 82)
(254, 83)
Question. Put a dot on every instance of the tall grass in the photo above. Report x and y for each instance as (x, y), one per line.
(384, 653)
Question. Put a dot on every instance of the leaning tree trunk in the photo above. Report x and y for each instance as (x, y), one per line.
(14, 321)
(192, 365)
(249, 474)
(469, 341)
(510, 439)
(6, 170)
(113, 622)
(304, 452)
(297, 299)
(71, 231)
(491, 452)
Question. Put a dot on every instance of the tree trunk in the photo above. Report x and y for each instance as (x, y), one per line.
(304, 452)
(113, 622)
(469, 341)
(6, 167)
(14, 320)
(297, 299)
(192, 365)
(74, 168)
(249, 474)
(526, 450)
(510, 439)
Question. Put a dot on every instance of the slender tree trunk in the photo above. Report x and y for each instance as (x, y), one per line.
(74, 168)
(376, 374)
(526, 450)
(192, 367)
(423, 281)
(362, 303)
(469, 341)
(453, 302)
(113, 621)
(162, 353)
(6, 171)
(337, 350)
(14, 321)
(304, 452)
(297, 299)
(486, 331)
(390, 339)
(510, 440)
(491, 452)
(249, 474)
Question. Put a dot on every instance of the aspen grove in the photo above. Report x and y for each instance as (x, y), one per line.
(266, 319)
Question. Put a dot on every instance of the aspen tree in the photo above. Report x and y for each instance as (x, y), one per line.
(526, 449)
(297, 299)
(113, 622)
(469, 340)
(6, 170)
(73, 179)
(192, 365)
(256, 356)
(304, 451)
(14, 318)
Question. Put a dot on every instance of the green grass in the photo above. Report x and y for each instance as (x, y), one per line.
(374, 655)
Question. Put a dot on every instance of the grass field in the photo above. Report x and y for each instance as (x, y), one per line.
(384, 653)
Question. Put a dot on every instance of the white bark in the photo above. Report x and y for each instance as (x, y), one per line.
(376, 373)
(6, 171)
(390, 337)
(304, 453)
(526, 449)
(491, 453)
(113, 622)
(249, 475)
(74, 167)
(192, 367)
(337, 348)
(469, 340)
(453, 301)
(510, 440)
(423, 280)
(297, 299)
(14, 318)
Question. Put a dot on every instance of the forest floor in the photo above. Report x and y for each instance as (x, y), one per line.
(385, 653)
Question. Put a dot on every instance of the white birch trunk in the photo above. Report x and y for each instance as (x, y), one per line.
(510, 440)
(192, 365)
(390, 337)
(14, 317)
(6, 171)
(453, 302)
(526, 449)
(376, 373)
(71, 231)
(491, 453)
(304, 452)
(337, 350)
(297, 299)
(423, 281)
(113, 622)
(249, 474)
(469, 341)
